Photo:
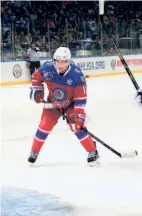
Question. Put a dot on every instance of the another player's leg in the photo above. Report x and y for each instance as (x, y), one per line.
(48, 120)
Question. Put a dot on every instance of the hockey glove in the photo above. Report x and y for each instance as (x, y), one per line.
(79, 121)
(139, 97)
(37, 93)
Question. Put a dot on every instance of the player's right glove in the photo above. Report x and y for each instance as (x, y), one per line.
(139, 97)
(37, 93)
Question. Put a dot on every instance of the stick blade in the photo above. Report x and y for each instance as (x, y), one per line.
(129, 154)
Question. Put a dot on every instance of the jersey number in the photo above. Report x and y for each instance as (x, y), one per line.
(84, 89)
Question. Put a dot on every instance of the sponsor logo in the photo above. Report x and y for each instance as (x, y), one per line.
(113, 64)
(98, 65)
(130, 62)
(17, 71)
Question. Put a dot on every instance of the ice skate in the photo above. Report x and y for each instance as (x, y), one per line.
(93, 158)
(33, 157)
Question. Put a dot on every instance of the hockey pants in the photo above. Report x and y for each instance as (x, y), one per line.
(49, 119)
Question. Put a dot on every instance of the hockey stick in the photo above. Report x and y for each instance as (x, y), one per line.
(101, 13)
(122, 155)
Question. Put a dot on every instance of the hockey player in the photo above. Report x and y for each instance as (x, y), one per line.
(139, 97)
(67, 92)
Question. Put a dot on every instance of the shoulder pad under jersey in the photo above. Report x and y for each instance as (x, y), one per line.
(47, 64)
(45, 69)
(77, 74)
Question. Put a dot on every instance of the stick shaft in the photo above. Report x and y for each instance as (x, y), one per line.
(92, 135)
(125, 155)
(120, 56)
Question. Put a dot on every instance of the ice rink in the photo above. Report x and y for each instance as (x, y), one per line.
(113, 188)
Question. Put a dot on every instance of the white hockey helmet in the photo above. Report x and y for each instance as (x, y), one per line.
(62, 53)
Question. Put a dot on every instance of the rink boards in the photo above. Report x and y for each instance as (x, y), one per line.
(15, 73)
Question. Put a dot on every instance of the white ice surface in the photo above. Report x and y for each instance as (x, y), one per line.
(114, 188)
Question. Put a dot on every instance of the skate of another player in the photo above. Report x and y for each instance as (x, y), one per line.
(112, 188)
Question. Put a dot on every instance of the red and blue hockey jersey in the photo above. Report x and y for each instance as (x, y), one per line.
(63, 90)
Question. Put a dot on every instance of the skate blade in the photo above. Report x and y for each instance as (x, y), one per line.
(30, 164)
(93, 163)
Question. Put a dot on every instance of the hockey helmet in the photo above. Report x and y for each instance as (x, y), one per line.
(62, 53)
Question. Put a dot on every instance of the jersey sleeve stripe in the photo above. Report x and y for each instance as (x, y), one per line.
(81, 98)
(79, 107)
(79, 102)
(33, 80)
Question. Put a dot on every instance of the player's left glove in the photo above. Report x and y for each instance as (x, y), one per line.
(139, 97)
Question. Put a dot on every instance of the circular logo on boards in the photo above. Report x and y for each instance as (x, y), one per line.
(113, 64)
(17, 71)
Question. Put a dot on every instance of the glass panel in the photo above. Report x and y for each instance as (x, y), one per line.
(6, 47)
(82, 33)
